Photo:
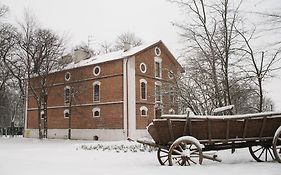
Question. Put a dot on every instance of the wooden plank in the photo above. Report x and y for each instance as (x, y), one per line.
(263, 126)
(170, 129)
(245, 127)
(227, 129)
(189, 127)
(186, 124)
(209, 130)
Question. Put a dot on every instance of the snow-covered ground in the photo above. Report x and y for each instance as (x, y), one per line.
(22, 156)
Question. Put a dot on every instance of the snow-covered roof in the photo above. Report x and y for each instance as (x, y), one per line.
(110, 56)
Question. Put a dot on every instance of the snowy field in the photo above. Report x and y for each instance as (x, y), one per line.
(22, 156)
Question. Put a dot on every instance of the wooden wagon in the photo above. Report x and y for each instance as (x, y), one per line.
(183, 140)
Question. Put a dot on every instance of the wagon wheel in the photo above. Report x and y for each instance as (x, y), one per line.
(277, 145)
(162, 155)
(262, 153)
(185, 151)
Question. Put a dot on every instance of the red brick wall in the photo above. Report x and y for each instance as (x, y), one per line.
(167, 64)
(111, 90)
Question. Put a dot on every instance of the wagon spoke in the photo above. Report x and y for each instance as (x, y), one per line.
(271, 154)
(192, 161)
(180, 148)
(279, 139)
(165, 160)
(164, 151)
(164, 156)
(176, 151)
(187, 162)
(178, 161)
(258, 149)
(266, 154)
(195, 156)
(261, 153)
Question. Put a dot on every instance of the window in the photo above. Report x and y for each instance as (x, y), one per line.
(96, 91)
(96, 70)
(143, 89)
(67, 76)
(143, 67)
(158, 97)
(171, 74)
(172, 95)
(96, 112)
(42, 114)
(66, 113)
(67, 95)
(172, 111)
(158, 69)
(157, 51)
(143, 111)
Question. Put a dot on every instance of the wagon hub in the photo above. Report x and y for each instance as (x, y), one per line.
(185, 153)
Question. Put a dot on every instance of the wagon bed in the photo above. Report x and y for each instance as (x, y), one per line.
(173, 133)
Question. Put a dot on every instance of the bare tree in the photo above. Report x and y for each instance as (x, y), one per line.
(129, 38)
(209, 38)
(39, 51)
(261, 66)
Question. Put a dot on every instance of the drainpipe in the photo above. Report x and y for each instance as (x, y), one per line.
(127, 96)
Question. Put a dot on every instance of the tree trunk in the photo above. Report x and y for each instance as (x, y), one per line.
(261, 95)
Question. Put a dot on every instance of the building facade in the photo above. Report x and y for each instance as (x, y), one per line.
(108, 97)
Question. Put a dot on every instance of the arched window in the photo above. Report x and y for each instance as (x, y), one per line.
(143, 89)
(158, 96)
(96, 112)
(96, 91)
(143, 111)
(172, 111)
(67, 95)
(66, 113)
(158, 67)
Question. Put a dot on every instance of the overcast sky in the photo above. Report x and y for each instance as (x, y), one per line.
(105, 19)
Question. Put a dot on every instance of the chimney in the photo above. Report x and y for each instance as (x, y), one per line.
(127, 46)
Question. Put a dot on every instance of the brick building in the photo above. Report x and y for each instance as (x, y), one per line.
(110, 97)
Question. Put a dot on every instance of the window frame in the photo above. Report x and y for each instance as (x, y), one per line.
(64, 112)
(65, 78)
(145, 68)
(65, 95)
(96, 83)
(94, 110)
(141, 92)
(143, 108)
(94, 72)
(158, 84)
(155, 51)
(158, 70)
